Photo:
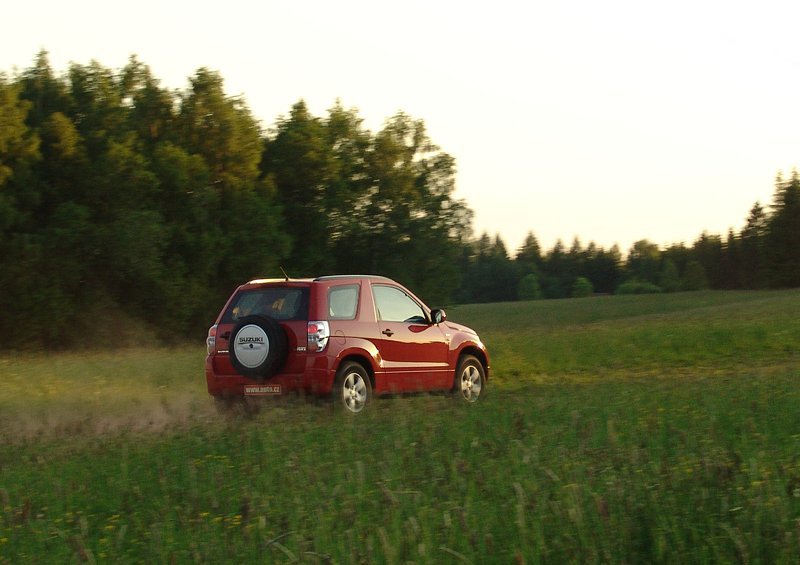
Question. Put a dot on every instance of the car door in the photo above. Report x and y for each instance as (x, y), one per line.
(413, 350)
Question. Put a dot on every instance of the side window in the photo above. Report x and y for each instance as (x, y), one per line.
(394, 305)
(343, 302)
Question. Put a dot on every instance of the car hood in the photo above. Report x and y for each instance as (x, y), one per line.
(461, 328)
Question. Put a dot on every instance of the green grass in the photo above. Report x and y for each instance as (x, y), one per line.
(132, 388)
(623, 429)
(652, 335)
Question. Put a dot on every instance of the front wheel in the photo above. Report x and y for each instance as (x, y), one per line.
(470, 379)
(352, 389)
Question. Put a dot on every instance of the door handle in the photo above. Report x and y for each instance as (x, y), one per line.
(387, 332)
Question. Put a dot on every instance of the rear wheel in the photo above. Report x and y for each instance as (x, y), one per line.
(352, 389)
(470, 379)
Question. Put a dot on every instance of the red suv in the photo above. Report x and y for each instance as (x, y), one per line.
(349, 336)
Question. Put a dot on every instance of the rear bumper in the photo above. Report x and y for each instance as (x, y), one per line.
(317, 379)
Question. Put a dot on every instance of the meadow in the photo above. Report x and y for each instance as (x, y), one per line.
(659, 429)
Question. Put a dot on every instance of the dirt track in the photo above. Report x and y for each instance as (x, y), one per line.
(59, 421)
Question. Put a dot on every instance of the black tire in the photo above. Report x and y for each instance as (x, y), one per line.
(470, 379)
(352, 389)
(261, 350)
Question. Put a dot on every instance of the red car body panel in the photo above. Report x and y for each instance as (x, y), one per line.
(400, 356)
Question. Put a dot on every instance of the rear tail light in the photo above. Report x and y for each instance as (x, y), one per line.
(318, 334)
(211, 340)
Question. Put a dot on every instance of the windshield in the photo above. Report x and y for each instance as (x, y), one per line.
(280, 303)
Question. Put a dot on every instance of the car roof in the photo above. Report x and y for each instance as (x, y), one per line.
(320, 279)
(266, 281)
(345, 277)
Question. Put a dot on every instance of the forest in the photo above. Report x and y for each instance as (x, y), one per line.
(123, 200)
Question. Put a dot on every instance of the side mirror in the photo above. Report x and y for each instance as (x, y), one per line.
(438, 316)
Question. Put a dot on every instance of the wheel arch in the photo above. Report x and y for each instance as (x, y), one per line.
(479, 354)
(363, 360)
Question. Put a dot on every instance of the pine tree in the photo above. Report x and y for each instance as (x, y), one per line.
(753, 263)
(783, 234)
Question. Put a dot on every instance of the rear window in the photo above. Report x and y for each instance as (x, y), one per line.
(280, 303)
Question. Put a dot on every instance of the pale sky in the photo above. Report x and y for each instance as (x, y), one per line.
(612, 121)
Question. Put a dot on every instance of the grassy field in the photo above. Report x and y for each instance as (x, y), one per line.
(615, 429)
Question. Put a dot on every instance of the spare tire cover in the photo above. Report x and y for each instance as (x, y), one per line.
(258, 347)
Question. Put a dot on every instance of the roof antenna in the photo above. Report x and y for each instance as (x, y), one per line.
(284, 274)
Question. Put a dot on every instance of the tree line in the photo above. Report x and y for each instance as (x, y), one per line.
(764, 254)
(119, 197)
